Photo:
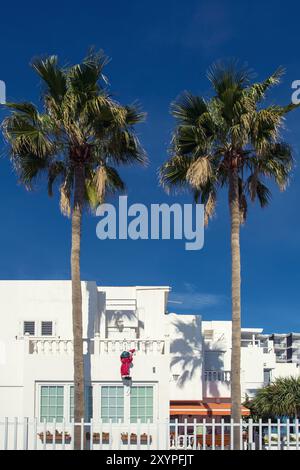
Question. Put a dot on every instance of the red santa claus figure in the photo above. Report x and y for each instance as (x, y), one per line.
(126, 360)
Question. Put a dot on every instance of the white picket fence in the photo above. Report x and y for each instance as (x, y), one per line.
(30, 434)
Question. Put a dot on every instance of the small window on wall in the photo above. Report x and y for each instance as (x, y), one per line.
(112, 404)
(141, 404)
(29, 328)
(52, 403)
(47, 328)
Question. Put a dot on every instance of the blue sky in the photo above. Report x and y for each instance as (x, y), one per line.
(158, 49)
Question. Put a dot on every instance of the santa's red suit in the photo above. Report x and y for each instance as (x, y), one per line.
(126, 363)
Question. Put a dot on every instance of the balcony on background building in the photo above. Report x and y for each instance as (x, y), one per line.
(217, 375)
(216, 383)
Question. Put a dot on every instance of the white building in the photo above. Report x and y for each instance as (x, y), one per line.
(259, 363)
(287, 347)
(181, 366)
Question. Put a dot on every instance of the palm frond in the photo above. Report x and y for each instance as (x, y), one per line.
(174, 171)
(55, 170)
(228, 75)
(100, 182)
(84, 77)
(199, 172)
(104, 180)
(65, 199)
(188, 108)
(258, 190)
(257, 91)
(52, 75)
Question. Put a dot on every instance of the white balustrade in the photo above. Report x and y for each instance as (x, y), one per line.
(96, 346)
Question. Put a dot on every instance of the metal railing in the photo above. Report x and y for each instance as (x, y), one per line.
(30, 434)
(217, 375)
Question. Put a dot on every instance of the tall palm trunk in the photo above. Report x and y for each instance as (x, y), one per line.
(77, 302)
(236, 304)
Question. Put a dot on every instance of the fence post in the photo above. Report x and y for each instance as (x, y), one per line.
(73, 433)
(110, 434)
(63, 434)
(167, 438)
(185, 434)
(54, 435)
(148, 434)
(250, 435)
(157, 436)
(213, 433)
(81, 433)
(222, 434)
(195, 434)
(100, 434)
(138, 434)
(35, 433)
(260, 437)
(25, 434)
(15, 433)
(119, 434)
(204, 434)
(44, 434)
(91, 434)
(241, 433)
(5, 434)
(269, 434)
(128, 436)
(288, 433)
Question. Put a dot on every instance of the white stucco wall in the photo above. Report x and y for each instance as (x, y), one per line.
(186, 357)
(285, 370)
(21, 373)
(175, 375)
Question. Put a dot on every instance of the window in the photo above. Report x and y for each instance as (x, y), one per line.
(141, 404)
(112, 404)
(267, 376)
(88, 399)
(37, 328)
(29, 328)
(52, 403)
(208, 335)
(46, 328)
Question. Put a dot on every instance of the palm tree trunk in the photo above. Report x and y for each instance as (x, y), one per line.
(77, 303)
(236, 304)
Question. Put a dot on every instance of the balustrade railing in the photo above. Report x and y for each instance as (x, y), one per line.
(217, 375)
(97, 346)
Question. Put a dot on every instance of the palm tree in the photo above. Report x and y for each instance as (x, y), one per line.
(229, 141)
(77, 139)
(280, 398)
